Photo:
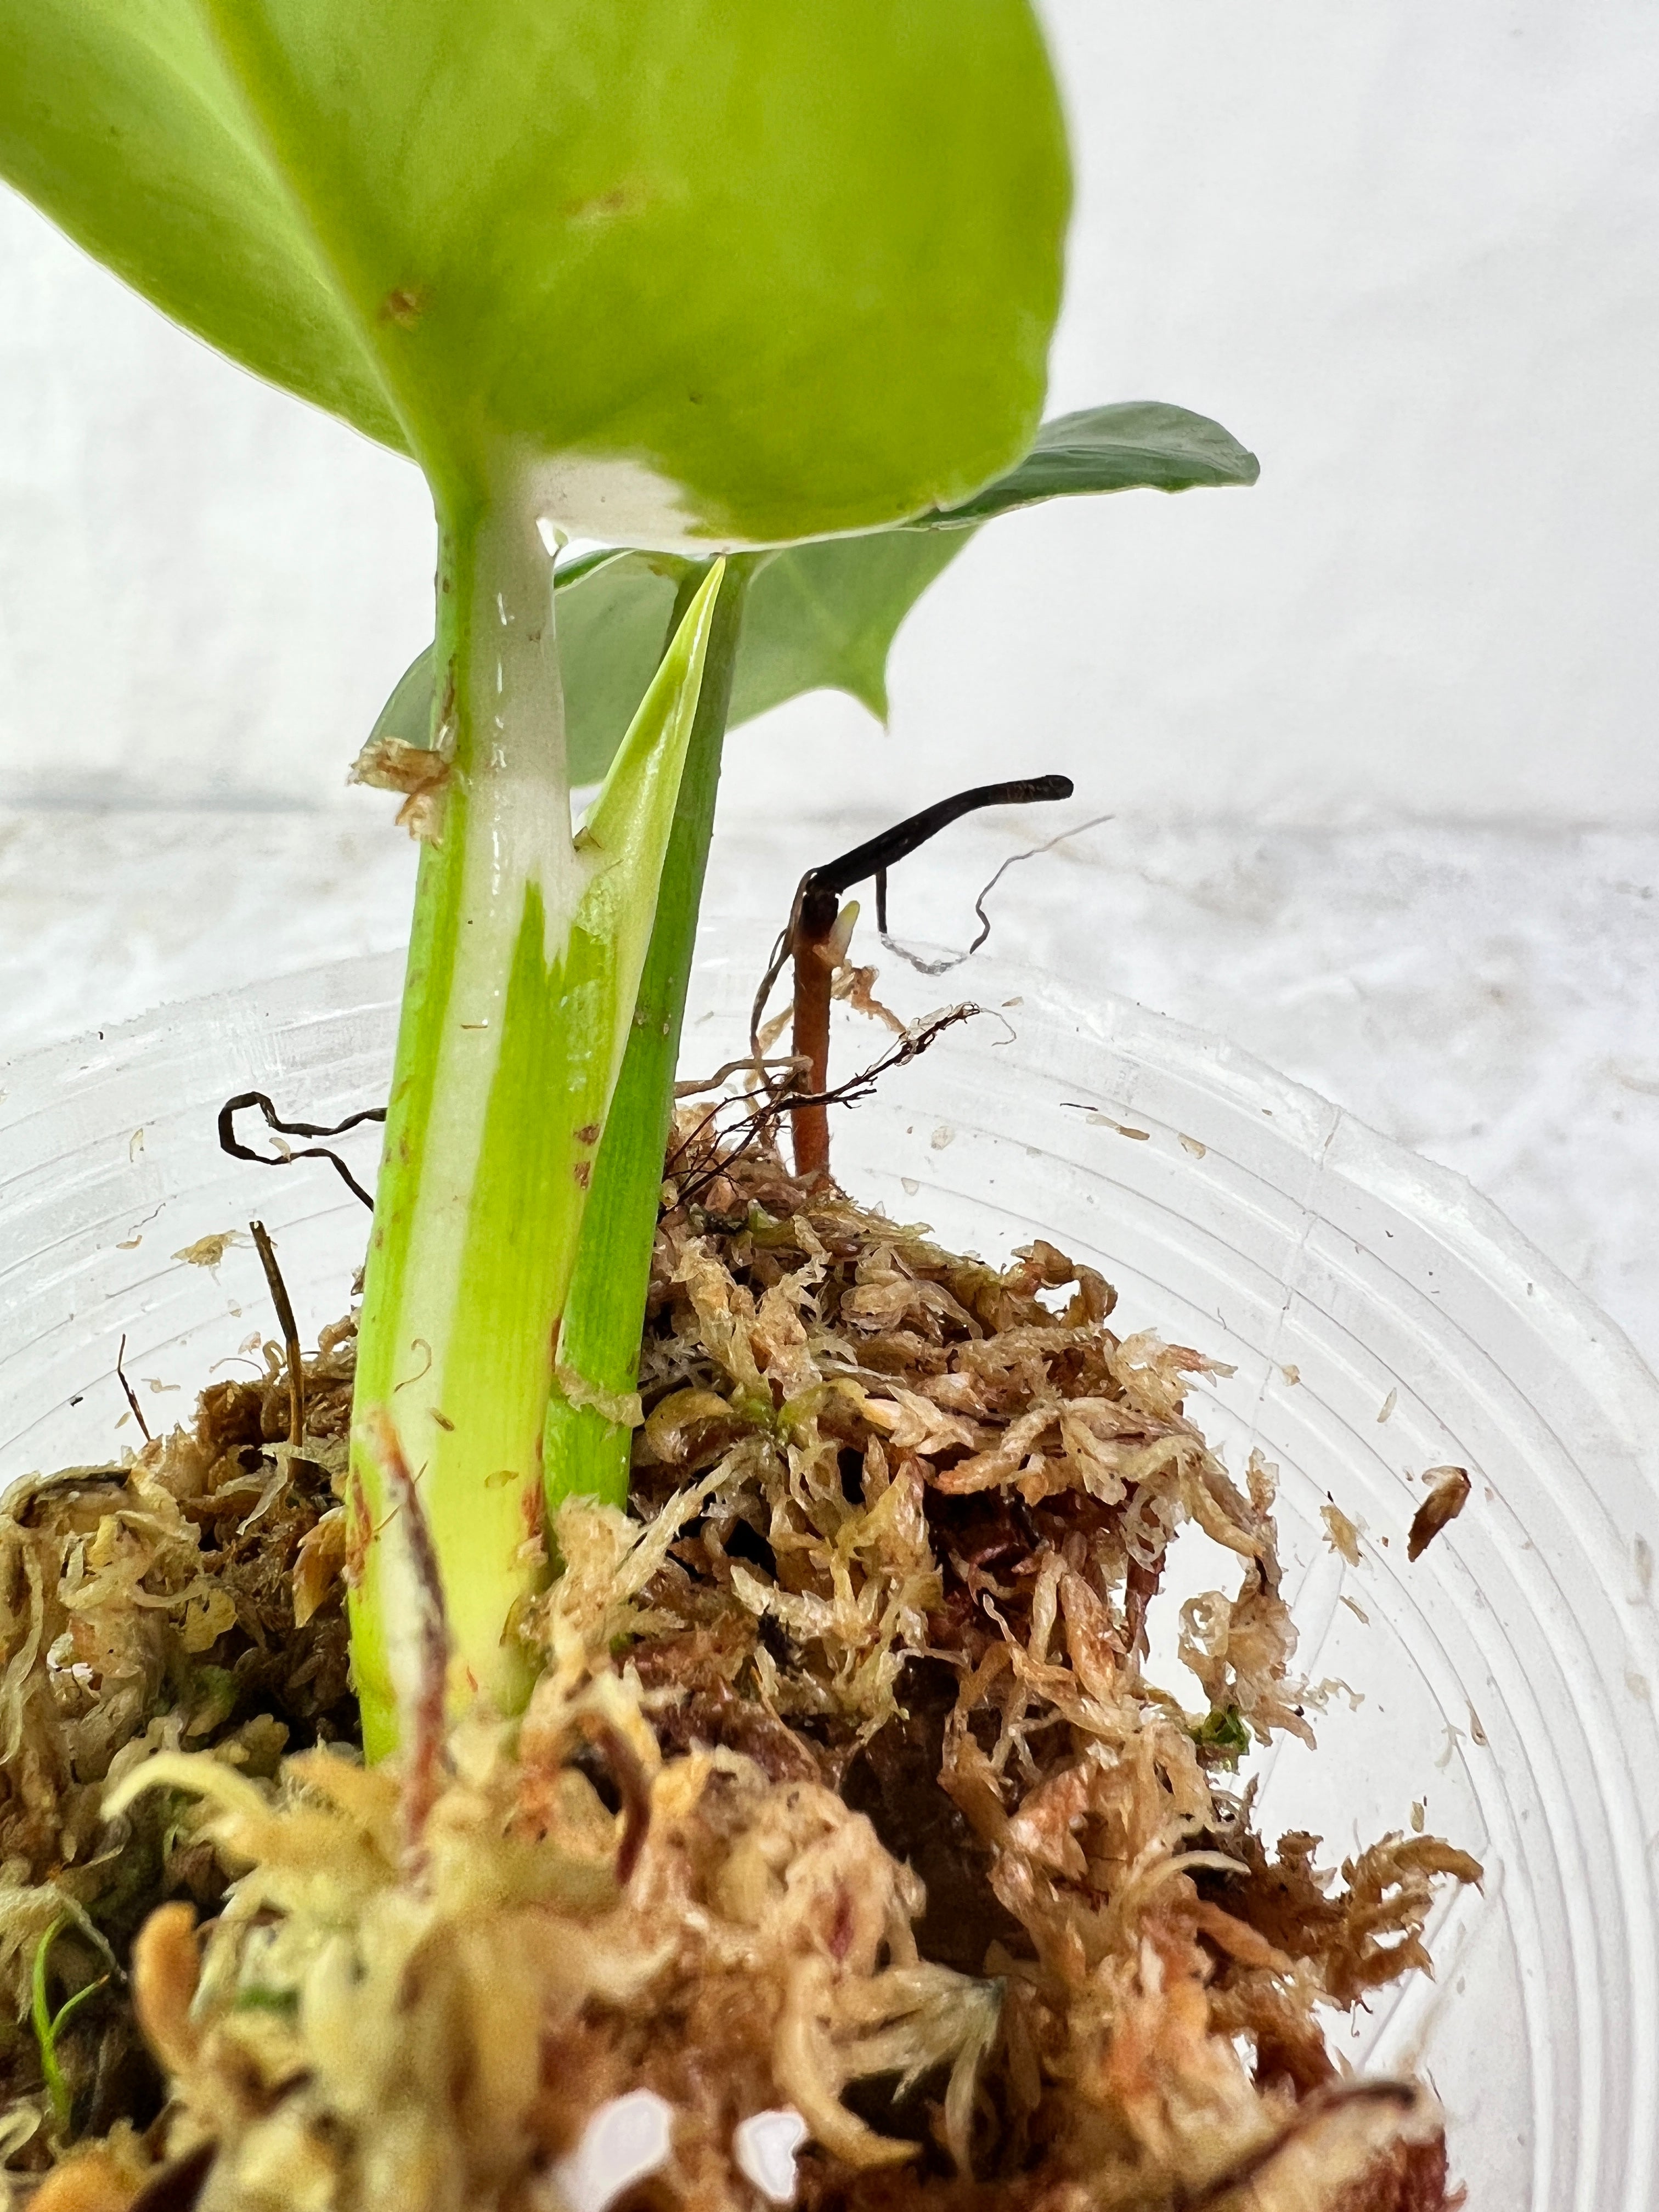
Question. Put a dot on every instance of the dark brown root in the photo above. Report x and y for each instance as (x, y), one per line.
(127, 1391)
(286, 1155)
(285, 1321)
(809, 942)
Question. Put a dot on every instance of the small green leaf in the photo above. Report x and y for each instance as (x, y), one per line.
(1137, 445)
(45, 2028)
(49, 2026)
(1223, 1734)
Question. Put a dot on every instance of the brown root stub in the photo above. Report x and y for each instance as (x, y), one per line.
(420, 775)
(808, 942)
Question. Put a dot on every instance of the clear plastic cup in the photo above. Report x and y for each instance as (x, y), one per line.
(1381, 1320)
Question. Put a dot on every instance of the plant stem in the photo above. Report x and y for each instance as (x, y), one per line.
(588, 1435)
(524, 967)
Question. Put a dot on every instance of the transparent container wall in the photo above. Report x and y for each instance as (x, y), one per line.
(1380, 1320)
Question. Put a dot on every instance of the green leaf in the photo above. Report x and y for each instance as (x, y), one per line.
(49, 2026)
(1137, 445)
(720, 271)
(119, 119)
(586, 1449)
(733, 269)
(614, 619)
(824, 617)
(820, 617)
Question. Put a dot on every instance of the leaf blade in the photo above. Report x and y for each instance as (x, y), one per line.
(731, 271)
(1137, 445)
(118, 121)
(823, 617)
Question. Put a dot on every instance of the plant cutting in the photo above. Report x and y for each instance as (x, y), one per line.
(715, 1600)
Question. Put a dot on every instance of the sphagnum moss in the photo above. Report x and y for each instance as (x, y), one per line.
(843, 1790)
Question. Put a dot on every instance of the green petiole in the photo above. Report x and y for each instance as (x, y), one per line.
(586, 1447)
(524, 970)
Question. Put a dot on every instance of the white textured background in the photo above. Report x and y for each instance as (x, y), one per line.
(1377, 735)
(1409, 252)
